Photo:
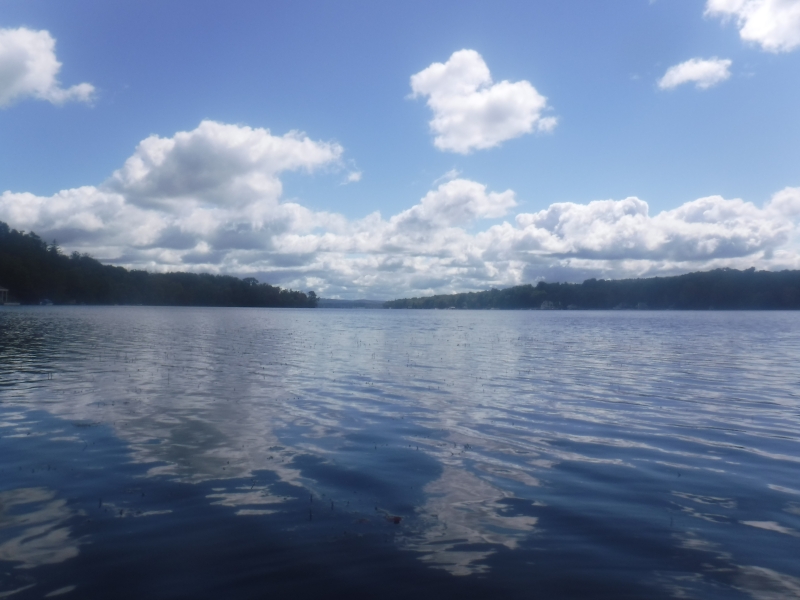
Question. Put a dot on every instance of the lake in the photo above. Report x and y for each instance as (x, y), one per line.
(246, 453)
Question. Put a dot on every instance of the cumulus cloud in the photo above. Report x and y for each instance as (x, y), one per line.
(470, 112)
(29, 68)
(210, 200)
(217, 166)
(457, 202)
(704, 229)
(772, 24)
(215, 187)
(786, 202)
(704, 73)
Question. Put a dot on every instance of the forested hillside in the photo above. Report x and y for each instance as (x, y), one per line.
(722, 289)
(35, 271)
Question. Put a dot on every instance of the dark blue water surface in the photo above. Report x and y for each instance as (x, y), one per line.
(252, 453)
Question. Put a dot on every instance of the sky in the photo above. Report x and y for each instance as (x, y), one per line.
(392, 149)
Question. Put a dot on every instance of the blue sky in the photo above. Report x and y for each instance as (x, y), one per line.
(692, 171)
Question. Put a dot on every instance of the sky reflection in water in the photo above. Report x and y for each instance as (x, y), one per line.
(586, 454)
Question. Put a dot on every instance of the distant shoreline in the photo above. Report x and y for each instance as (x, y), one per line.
(720, 289)
(35, 272)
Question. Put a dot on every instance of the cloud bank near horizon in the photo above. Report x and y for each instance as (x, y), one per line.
(210, 200)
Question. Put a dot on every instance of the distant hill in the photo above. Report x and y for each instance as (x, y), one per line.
(35, 272)
(333, 303)
(721, 289)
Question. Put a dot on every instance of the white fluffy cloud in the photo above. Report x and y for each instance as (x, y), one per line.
(703, 229)
(472, 113)
(28, 68)
(456, 203)
(210, 200)
(217, 166)
(787, 202)
(196, 196)
(773, 24)
(704, 73)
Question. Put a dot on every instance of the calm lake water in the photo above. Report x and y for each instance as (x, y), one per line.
(253, 453)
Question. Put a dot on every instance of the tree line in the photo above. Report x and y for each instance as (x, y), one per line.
(35, 271)
(720, 289)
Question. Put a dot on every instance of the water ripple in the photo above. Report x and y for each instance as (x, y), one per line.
(660, 447)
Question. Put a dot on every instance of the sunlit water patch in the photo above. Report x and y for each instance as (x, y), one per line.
(207, 453)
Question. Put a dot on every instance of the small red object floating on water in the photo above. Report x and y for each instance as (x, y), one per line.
(395, 520)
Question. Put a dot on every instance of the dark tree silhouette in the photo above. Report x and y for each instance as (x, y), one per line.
(35, 271)
(722, 289)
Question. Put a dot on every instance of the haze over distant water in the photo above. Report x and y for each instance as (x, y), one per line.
(207, 453)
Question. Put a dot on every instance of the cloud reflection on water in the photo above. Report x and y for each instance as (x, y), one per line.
(34, 528)
(499, 405)
(758, 582)
(463, 510)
